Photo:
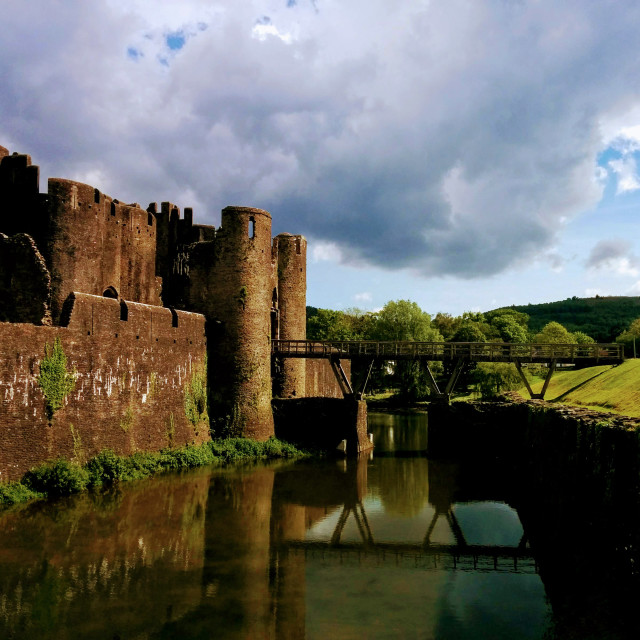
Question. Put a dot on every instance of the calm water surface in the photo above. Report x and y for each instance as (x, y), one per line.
(392, 546)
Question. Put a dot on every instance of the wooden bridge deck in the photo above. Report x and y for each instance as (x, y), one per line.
(583, 354)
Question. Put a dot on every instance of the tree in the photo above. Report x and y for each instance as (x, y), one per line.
(517, 316)
(508, 329)
(446, 324)
(326, 324)
(554, 333)
(405, 320)
(628, 336)
(492, 378)
(580, 337)
(469, 331)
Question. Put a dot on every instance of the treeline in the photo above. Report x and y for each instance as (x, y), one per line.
(603, 317)
(405, 320)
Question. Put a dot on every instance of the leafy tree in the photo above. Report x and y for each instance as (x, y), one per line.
(492, 378)
(326, 324)
(554, 333)
(517, 316)
(446, 324)
(509, 329)
(405, 320)
(629, 336)
(469, 331)
(580, 337)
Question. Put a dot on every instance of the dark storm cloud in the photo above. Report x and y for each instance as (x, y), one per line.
(451, 138)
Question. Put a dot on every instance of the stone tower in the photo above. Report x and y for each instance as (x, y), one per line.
(292, 309)
(231, 283)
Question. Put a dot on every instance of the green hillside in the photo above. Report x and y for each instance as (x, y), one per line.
(607, 388)
(602, 318)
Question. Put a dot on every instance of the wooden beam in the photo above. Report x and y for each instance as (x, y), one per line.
(524, 378)
(552, 368)
(343, 381)
(361, 390)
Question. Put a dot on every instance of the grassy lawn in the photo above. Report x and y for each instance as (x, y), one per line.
(607, 388)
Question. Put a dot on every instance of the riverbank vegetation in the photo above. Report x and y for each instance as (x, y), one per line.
(62, 477)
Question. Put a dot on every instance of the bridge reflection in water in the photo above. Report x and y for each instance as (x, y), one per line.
(427, 554)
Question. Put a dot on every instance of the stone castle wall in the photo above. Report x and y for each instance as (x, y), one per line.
(131, 376)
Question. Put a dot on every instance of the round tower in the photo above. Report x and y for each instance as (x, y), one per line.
(233, 287)
(292, 308)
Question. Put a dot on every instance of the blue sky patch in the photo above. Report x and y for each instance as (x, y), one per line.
(175, 41)
(134, 53)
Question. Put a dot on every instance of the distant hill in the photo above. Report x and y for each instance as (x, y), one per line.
(602, 317)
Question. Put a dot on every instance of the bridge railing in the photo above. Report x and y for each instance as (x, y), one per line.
(477, 351)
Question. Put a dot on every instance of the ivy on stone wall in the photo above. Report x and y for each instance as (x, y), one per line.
(195, 398)
(54, 379)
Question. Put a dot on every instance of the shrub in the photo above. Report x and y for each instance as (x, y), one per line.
(16, 492)
(57, 478)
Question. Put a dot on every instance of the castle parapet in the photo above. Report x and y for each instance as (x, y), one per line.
(110, 318)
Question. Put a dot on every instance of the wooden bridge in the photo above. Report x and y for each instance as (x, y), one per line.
(460, 353)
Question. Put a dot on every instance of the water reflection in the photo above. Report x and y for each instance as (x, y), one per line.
(396, 546)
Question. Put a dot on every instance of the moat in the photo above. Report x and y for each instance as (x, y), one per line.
(395, 545)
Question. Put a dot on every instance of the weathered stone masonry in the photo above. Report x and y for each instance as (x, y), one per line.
(142, 301)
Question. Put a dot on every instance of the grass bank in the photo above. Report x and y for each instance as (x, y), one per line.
(61, 477)
(605, 388)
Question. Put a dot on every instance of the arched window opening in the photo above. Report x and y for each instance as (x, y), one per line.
(96, 196)
(174, 317)
(124, 311)
(113, 209)
(110, 292)
(252, 227)
(274, 297)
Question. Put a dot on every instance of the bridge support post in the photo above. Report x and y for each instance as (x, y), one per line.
(454, 377)
(432, 381)
(341, 376)
(547, 380)
(363, 386)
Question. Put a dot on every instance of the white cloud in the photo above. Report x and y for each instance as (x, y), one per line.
(325, 252)
(363, 297)
(627, 173)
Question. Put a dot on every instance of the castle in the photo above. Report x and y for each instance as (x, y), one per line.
(151, 311)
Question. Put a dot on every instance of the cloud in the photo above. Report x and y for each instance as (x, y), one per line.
(626, 170)
(614, 255)
(402, 136)
(325, 252)
(363, 297)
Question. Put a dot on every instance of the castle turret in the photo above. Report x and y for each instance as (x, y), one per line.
(230, 281)
(292, 309)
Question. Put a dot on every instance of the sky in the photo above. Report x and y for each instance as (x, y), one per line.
(463, 154)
